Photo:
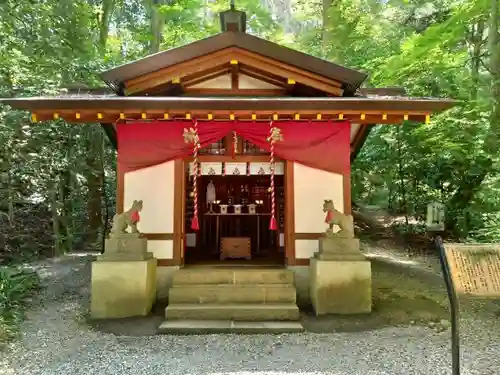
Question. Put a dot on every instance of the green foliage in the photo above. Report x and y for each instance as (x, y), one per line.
(65, 173)
(16, 286)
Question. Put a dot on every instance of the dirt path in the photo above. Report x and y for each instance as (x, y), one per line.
(56, 339)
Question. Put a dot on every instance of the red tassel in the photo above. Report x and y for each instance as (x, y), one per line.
(272, 224)
(194, 223)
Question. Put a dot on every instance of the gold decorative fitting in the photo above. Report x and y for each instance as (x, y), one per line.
(77, 116)
(254, 116)
(405, 117)
(231, 116)
(275, 117)
(122, 116)
(190, 136)
(234, 62)
(56, 116)
(210, 116)
(297, 116)
(99, 116)
(143, 115)
(176, 80)
(188, 116)
(363, 116)
(165, 116)
(275, 135)
(341, 116)
(33, 117)
(291, 81)
(318, 116)
(384, 116)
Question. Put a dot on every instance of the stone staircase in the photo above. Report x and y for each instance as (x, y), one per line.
(232, 299)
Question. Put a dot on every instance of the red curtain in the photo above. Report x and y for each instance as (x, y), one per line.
(319, 144)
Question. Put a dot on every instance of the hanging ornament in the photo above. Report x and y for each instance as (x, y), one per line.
(191, 136)
(274, 136)
(235, 144)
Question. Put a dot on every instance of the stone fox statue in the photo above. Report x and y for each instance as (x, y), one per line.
(335, 217)
(129, 218)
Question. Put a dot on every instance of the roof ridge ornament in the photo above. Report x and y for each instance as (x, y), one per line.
(232, 19)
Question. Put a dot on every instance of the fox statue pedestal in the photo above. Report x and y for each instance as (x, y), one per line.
(124, 277)
(340, 276)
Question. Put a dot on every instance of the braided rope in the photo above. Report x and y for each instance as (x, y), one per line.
(196, 169)
(272, 223)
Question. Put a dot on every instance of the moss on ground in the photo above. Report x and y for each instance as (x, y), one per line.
(401, 296)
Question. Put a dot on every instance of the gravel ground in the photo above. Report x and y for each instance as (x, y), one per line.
(56, 340)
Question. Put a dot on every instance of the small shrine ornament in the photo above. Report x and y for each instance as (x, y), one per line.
(274, 136)
(191, 136)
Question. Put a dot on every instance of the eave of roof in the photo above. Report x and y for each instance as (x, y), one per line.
(373, 103)
(351, 79)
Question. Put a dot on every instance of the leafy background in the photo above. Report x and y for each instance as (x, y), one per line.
(58, 182)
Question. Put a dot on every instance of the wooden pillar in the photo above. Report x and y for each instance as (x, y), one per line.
(289, 214)
(179, 204)
(120, 188)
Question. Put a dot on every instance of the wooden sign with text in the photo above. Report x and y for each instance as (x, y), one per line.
(474, 269)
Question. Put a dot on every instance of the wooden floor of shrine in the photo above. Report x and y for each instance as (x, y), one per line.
(209, 259)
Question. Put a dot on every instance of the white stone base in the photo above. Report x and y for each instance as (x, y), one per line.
(122, 289)
(340, 287)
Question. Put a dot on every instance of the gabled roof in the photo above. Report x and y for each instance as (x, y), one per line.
(350, 79)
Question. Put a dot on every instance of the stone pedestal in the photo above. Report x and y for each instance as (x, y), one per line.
(340, 278)
(122, 289)
(339, 248)
(123, 278)
(125, 246)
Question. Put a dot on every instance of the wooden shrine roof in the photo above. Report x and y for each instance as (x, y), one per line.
(361, 104)
(351, 79)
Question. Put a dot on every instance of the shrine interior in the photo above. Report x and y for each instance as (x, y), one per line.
(235, 227)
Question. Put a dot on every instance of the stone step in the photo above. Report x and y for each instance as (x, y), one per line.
(233, 275)
(232, 293)
(196, 327)
(239, 312)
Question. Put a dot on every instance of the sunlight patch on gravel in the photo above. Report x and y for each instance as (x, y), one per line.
(56, 341)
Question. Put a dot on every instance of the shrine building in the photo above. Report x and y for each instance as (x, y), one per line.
(233, 143)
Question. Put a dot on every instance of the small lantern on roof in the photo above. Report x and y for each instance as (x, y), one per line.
(233, 20)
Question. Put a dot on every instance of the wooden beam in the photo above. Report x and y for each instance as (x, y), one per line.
(196, 79)
(180, 72)
(222, 55)
(113, 115)
(286, 67)
(263, 76)
(234, 92)
(221, 58)
(286, 71)
(235, 75)
(179, 193)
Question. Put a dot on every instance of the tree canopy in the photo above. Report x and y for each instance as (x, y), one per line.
(440, 48)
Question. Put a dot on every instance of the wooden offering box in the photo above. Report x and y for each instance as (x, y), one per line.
(235, 247)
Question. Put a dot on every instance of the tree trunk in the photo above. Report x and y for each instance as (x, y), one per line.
(55, 219)
(477, 35)
(94, 186)
(491, 143)
(483, 166)
(107, 10)
(327, 4)
(157, 23)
